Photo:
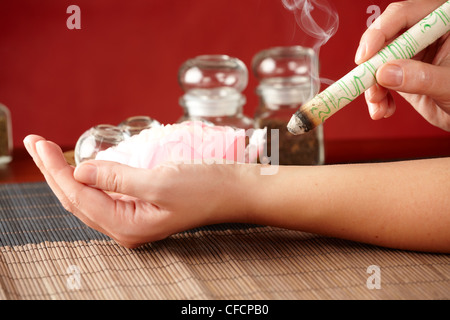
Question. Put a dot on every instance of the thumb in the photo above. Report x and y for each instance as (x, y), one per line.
(415, 77)
(115, 177)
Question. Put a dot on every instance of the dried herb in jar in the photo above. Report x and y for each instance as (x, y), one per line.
(4, 139)
(293, 150)
(5, 135)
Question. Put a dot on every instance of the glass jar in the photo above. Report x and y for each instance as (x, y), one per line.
(134, 125)
(97, 139)
(213, 86)
(288, 77)
(6, 142)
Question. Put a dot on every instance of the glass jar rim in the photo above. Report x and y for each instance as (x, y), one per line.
(108, 132)
(138, 122)
(266, 63)
(191, 74)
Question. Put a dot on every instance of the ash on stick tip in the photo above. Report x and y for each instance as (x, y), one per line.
(296, 126)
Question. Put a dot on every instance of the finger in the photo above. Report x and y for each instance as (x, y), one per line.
(30, 143)
(391, 106)
(380, 102)
(410, 76)
(442, 55)
(88, 204)
(397, 17)
(119, 178)
(376, 93)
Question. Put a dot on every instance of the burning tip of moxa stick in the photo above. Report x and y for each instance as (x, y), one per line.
(298, 124)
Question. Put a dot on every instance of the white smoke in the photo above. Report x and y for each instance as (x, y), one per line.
(322, 26)
(317, 19)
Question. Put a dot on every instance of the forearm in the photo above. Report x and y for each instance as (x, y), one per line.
(402, 205)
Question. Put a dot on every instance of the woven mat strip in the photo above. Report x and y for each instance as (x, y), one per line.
(31, 213)
(43, 249)
(258, 263)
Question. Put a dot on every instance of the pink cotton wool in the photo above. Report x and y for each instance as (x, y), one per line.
(187, 142)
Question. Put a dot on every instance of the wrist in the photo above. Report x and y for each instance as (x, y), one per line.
(258, 195)
(243, 189)
(231, 198)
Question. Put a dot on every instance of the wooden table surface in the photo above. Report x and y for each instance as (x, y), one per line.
(22, 168)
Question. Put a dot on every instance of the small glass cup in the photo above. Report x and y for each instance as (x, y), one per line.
(134, 125)
(96, 139)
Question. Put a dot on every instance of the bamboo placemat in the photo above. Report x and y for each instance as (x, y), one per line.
(47, 253)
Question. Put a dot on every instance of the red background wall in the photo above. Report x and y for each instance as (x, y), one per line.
(124, 61)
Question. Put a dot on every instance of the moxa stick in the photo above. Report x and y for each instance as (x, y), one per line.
(357, 81)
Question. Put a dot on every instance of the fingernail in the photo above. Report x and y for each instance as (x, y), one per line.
(26, 143)
(390, 76)
(373, 109)
(86, 173)
(360, 53)
(369, 93)
(39, 146)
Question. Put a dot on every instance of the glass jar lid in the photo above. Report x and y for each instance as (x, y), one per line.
(213, 85)
(213, 71)
(285, 65)
(287, 75)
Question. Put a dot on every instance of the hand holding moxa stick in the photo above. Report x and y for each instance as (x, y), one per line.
(357, 81)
